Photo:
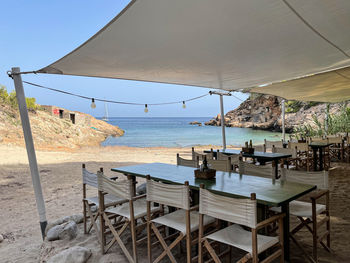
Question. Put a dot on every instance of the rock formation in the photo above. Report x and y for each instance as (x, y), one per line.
(264, 112)
(52, 132)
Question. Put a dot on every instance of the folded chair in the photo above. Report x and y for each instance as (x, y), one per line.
(133, 209)
(185, 220)
(90, 179)
(185, 162)
(240, 212)
(308, 212)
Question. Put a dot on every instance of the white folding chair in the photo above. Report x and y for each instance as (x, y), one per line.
(233, 157)
(90, 179)
(240, 212)
(308, 212)
(185, 220)
(266, 171)
(270, 144)
(128, 213)
(221, 165)
(185, 162)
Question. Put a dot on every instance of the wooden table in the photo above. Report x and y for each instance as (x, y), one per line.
(262, 157)
(318, 147)
(269, 192)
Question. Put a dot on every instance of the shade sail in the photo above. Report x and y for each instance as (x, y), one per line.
(224, 44)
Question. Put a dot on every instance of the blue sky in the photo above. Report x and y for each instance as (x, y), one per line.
(37, 33)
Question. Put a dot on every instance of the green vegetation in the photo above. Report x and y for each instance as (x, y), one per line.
(10, 99)
(336, 123)
(293, 106)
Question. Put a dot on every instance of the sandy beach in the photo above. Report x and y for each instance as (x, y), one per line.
(61, 182)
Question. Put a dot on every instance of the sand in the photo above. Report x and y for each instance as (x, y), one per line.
(61, 182)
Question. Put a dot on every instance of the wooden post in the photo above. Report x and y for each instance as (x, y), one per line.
(27, 132)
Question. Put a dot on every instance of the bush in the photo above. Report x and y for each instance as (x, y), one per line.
(336, 123)
(10, 99)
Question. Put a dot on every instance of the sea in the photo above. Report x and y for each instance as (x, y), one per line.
(177, 132)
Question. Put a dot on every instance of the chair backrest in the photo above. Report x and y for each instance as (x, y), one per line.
(169, 194)
(120, 188)
(313, 178)
(201, 155)
(260, 148)
(292, 151)
(89, 178)
(185, 162)
(234, 157)
(221, 165)
(317, 139)
(270, 144)
(335, 139)
(300, 146)
(265, 171)
(235, 210)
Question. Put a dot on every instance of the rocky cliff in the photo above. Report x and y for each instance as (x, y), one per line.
(264, 112)
(52, 132)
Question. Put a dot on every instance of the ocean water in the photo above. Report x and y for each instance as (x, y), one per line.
(177, 132)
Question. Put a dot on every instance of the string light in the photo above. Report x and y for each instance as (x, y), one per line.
(93, 105)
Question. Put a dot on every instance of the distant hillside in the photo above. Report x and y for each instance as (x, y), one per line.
(264, 112)
(51, 129)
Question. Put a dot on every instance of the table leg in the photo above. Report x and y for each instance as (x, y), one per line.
(285, 210)
(321, 158)
(276, 168)
(315, 159)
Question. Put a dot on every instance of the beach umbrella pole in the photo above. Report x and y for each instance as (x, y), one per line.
(27, 132)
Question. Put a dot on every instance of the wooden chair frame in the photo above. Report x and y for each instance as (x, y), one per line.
(177, 237)
(118, 228)
(316, 224)
(89, 214)
(204, 242)
(316, 238)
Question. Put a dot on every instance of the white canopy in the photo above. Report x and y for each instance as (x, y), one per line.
(224, 44)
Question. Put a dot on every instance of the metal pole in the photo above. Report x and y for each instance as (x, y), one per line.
(283, 120)
(223, 121)
(30, 148)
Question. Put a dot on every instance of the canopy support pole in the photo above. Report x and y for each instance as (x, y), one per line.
(223, 122)
(222, 119)
(22, 105)
(283, 120)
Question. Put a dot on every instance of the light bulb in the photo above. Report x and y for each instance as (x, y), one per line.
(93, 105)
(146, 109)
(183, 105)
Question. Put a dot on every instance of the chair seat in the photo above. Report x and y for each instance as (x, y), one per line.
(140, 209)
(236, 236)
(109, 199)
(302, 209)
(177, 220)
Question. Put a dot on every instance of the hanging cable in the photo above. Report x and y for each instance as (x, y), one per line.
(113, 101)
